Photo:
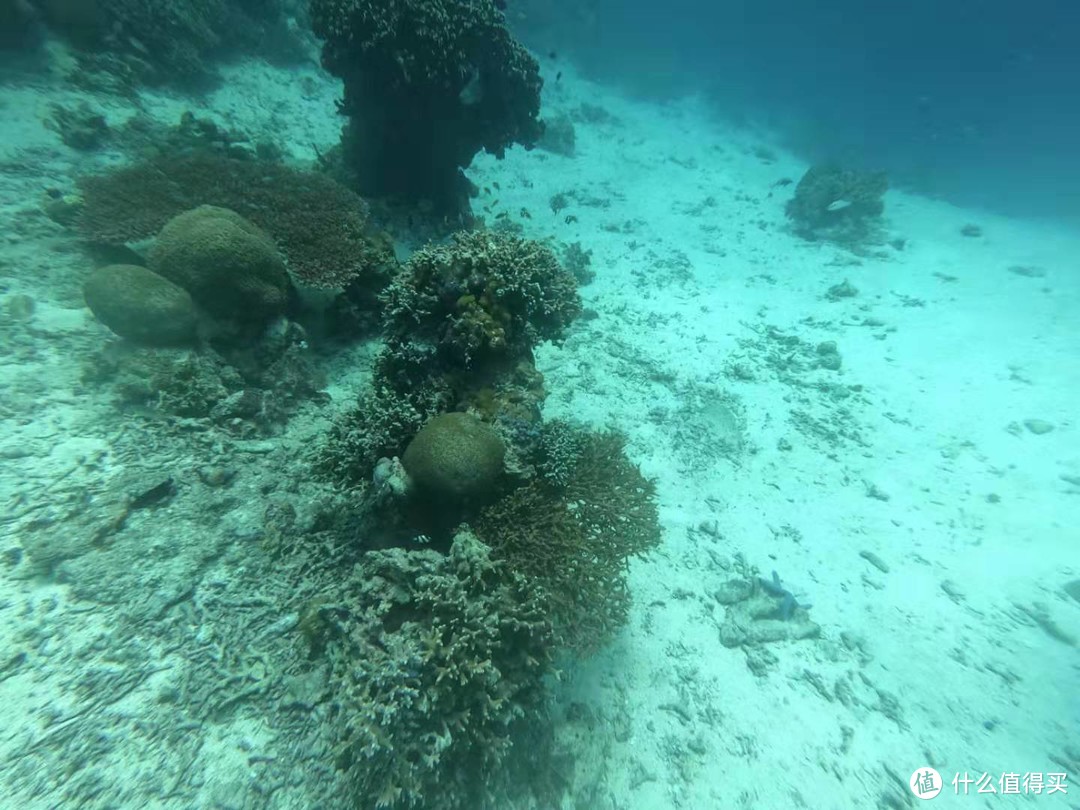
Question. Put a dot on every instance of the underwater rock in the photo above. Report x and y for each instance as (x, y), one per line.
(140, 305)
(762, 611)
(828, 356)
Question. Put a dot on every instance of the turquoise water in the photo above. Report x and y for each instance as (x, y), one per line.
(534, 405)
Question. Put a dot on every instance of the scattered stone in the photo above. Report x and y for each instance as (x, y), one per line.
(216, 476)
(1038, 614)
(875, 561)
(844, 289)
(828, 356)
(1038, 426)
(1072, 589)
(19, 307)
(952, 591)
(1027, 271)
(875, 492)
(732, 591)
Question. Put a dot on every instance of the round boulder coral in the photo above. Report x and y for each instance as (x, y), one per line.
(230, 266)
(455, 457)
(140, 305)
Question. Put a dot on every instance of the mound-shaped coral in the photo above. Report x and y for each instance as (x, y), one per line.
(230, 266)
(140, 305)
(455, 457)
(428, 84)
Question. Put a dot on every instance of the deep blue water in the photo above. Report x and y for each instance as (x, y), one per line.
(978, 102)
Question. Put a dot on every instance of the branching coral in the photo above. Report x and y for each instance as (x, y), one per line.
(574, 541)
(428, 84)
(483, 297)
(438, 665)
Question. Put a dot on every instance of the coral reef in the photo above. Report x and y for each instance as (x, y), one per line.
(484, 298)
(164, 42)
(461, 322)
(140, 305)
(572, 532)
(248, 391)
(230, 266)
(438, 670)
(843, 205)
(428, 84)
(320, 226)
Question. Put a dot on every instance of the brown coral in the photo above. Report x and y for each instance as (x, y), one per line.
(229, 266)
(575, 541)
(319, 225)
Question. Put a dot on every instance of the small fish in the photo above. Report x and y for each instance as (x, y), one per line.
(570, 218)
(496, 186)
(500, 5)
(838, 205)
(552, 55)
(558, 75)
(783, 181)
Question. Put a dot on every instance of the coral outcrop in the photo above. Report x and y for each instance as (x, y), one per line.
(843, 205)
(321, 228)
(428, 84)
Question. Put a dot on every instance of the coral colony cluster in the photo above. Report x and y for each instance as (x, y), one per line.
(486, 541)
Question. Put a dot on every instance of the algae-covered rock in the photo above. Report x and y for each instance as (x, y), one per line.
(230, 266)
(140, 305)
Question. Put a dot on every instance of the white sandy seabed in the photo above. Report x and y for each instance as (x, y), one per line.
(915, 497)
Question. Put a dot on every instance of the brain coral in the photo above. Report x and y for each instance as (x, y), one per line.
(229, 265)
(140, 305)
(455, 457)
